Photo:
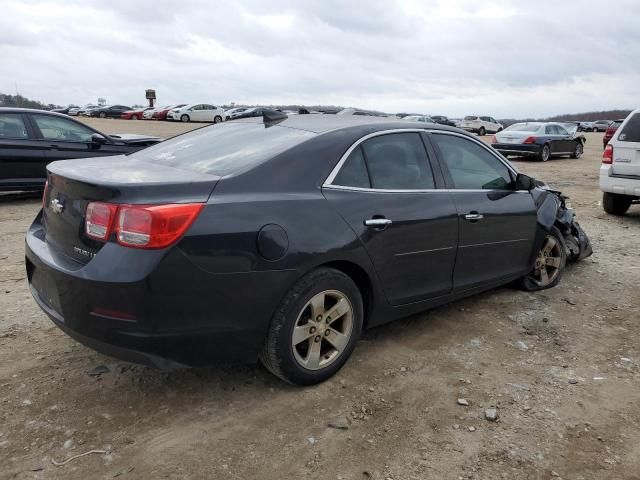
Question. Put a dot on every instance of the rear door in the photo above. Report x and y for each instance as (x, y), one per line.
(386, 191)
(496, 223)
(64, 138)
(626, 147)
(22, 158)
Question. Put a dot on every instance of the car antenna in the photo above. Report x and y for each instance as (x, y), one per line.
(270, 118)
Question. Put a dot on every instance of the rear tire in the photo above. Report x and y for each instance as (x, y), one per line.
(217, 119)
(616, 204)
(548, 265)
(577, 153)
(482, 132)
(545, 153)
(305, 345)
(184, 118)
(102, 115)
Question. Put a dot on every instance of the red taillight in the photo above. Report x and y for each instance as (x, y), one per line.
(99, 220)
(493, 139)
(607, 156)
(530, 140)
(44, 194)
(141, 226)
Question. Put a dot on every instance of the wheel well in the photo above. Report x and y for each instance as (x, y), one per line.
(362, 281)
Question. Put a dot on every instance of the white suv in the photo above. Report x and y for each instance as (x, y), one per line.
(481, 125)
(620, 170)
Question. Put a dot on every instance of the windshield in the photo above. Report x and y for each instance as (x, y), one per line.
(224, 149)
(523, 127)
(470, 118)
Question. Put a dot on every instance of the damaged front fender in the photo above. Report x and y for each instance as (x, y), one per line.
(554, 211)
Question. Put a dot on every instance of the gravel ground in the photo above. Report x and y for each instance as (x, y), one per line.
(560, 367)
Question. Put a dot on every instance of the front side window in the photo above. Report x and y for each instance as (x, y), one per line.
(471, 166)
(12, 126)
(561, 130)
(631, 131)
(398, 161)
(54, 128)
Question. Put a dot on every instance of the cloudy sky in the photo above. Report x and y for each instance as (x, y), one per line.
(501, 58)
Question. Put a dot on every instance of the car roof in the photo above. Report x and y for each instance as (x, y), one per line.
(324, 123)
(31, 110)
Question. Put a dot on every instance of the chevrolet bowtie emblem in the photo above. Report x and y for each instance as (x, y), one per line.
(57, 206)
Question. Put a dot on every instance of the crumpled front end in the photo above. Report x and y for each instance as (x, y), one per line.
(576, 240)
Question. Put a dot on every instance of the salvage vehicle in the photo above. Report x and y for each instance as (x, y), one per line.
(442, 120)
(620, 169)
(30, 139)
(611, 129)
(197, 112)
(162, 112)
(201, 250)
(135, 113)
(539, 140)
(601, 125)
(481, 125)
(114, 111)
(418, 118)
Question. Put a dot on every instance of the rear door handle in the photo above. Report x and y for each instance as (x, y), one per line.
(377, 222)
(473, 216)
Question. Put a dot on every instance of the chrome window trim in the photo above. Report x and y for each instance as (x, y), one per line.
(431, 190)
(328, 183)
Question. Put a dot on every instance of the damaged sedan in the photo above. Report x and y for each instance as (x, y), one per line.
(281, 239)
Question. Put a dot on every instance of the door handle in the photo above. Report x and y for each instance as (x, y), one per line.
(473, 216)
(377, 222)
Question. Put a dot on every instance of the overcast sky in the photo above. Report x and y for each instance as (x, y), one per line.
(505, 59)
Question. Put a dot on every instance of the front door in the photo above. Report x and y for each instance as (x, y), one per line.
(386, 192)
(497, 224)
(65, 139)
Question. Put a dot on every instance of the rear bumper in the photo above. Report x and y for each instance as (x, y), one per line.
(619, 184)
(165, 314)
(517, 149)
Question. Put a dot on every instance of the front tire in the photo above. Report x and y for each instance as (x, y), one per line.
(482, 131)
(616, 204)
(548, 265)
(184, 118)
(578, 151)
(217, 119)
(315, 329)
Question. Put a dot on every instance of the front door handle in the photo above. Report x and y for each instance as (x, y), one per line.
(473, 216)
(377, 222)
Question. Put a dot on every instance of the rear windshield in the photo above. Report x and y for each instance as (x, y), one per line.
(631, 131)
(225, 148)
(470, 118)
(523, 127)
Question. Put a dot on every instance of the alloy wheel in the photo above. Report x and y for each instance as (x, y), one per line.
(546, 153)
(579, 150)
(547, 265)
(322, 330)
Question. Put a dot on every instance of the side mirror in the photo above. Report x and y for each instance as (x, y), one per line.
(524, 182)
(98, 139)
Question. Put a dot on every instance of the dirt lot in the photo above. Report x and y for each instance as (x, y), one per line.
(562, 367)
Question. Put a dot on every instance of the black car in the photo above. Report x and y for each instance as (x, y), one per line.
(114, 111)
(30, 139)
(255, 112)
(442, 120)
(284, 240)
(64, 110)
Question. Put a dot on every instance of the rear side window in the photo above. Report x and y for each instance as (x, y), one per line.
(398, 161)
(12, 126)
(354, 171)
(224, 148)
(471, 166)
(631, 131)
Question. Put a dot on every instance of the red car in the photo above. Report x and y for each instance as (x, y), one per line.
(162, 114)
(611, 129)
(135, 114)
